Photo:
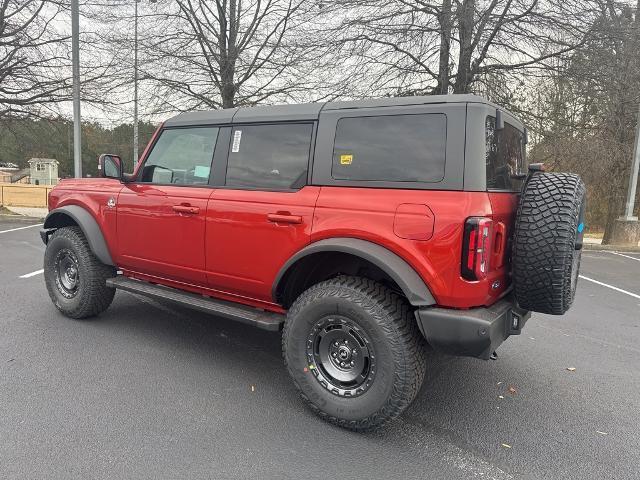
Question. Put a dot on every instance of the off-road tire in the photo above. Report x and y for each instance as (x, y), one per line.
(548, 242)
(92, 296)
(399, 347)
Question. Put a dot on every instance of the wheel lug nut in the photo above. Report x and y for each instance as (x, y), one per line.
(352, 364)
(342, 364)
(334, 354)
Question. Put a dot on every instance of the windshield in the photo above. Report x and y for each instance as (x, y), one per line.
(505, 156)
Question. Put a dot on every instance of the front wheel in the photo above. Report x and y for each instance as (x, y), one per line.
(75, 278)
(354, 351)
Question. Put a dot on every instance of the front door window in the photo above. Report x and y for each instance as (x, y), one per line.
(181, 156)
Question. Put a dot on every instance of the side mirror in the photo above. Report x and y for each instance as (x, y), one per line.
(110, 166)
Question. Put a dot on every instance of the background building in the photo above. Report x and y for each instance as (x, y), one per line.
(43, 171)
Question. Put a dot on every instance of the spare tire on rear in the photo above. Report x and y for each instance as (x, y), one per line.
(548, 242)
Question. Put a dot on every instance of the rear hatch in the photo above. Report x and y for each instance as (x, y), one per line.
(506, 166)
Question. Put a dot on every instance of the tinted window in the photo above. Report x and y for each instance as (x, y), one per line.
(505, 156)
(269, 156)
(181, 156)
(396, 148)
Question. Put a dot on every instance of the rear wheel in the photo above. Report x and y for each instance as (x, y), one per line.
(354, 351)
(548, 242)
(75, 278)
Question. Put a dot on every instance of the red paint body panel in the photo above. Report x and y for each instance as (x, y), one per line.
(369, 214)
(413, 221)
(503, 207)
(236, 243)
(251, 235)
(157, 237)
(92, 194)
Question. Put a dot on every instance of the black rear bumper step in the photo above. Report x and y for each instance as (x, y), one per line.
(249, 315)
(476, 332)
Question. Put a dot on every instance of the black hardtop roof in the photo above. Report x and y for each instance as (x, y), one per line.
(307, 111)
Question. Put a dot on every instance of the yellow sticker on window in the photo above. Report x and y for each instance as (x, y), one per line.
(346, 159)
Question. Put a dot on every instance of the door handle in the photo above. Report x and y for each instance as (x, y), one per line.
(284, 218)
(186, 209)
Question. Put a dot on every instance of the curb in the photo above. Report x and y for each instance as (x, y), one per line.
(17, 215)
(610, 248)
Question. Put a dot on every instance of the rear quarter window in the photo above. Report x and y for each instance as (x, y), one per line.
(505, 156)
(392, 148)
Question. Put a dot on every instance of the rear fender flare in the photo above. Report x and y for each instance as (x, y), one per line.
(411, 284)
(88, 225)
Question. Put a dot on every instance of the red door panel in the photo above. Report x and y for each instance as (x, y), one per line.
(161, 231)
(251, 234)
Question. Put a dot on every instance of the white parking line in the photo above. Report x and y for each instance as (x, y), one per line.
(21, 228)
(634, 295)
(32, 274)
(626, 256)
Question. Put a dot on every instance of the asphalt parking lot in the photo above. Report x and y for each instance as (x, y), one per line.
(148, 390)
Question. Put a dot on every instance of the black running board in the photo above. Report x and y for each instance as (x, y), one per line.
(249, 315)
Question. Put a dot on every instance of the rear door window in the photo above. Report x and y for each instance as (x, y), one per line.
(181, 156)
(505, 156)
(392, 148)
(269, 157)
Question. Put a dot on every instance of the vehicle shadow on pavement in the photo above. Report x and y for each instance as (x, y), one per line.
(242, 351)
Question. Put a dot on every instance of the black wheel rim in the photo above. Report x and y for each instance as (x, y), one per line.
(340, 356)
(67, 274)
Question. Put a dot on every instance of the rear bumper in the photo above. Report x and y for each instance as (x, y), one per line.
(476, 332)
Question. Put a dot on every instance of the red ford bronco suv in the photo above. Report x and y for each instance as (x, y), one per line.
(366, 230)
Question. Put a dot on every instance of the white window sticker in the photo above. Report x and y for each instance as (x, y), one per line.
(202, 172)
(237, 135)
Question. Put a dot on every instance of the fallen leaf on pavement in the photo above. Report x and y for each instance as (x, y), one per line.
(512, 390)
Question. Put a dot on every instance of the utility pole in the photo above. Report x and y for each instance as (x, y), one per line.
(135, 86)
(75, 59)
(633, 179)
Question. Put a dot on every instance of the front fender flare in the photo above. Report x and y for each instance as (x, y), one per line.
(411, 284)
(88, 225)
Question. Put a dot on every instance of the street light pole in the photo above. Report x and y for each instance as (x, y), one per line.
(75, 67)
(135, 87)
(633, 179)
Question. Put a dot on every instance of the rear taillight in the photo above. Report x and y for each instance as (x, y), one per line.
(476, 248)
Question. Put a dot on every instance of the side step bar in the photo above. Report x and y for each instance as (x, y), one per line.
(251, 316)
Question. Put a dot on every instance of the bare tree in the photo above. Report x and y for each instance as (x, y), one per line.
(587, 111)
(31, 53)
(225, 53)
(448, 46)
